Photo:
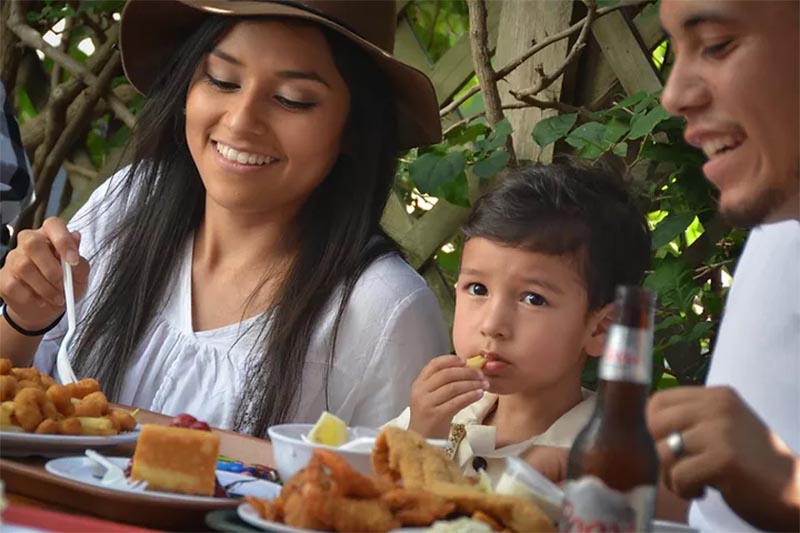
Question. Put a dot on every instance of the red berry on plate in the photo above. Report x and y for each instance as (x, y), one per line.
(183, 420)
(199, 424)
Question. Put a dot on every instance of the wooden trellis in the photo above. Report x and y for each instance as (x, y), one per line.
(616, 60)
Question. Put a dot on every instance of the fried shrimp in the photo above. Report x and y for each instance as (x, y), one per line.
(60, 396)
(27, 374)
(122, 420)
(5, 367)
(31, 406)
(8, 387)
(94, 404)
(85, 387)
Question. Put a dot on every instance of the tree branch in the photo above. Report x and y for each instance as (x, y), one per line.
(580, 43)
(31, 37)
(10, 51)
(528, 102)
(482, 59)
(513, 65)
(68, 137)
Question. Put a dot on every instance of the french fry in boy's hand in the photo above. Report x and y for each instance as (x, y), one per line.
(443, 388)
(101, 426)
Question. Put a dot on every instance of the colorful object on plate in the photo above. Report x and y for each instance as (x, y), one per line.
(477, 362)
(227, 464)
(329, 430)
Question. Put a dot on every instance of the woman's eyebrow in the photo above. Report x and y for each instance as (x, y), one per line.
(286, 74)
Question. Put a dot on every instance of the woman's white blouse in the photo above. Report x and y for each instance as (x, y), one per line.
(392, 326)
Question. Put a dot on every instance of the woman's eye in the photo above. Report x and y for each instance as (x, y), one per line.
(717, 50)
(224, 85)
(294, 104)
(477, 289)
(535, 299)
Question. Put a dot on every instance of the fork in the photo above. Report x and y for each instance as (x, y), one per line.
(114, 475)
(62, 361)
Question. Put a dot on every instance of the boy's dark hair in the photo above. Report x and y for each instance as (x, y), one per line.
(569, 209)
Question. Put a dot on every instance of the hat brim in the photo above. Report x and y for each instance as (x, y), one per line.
(152, 30)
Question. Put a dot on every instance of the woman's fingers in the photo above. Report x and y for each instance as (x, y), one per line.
(63, 241)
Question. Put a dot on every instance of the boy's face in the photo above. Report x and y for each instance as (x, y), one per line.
(527, 312)
(735, 80)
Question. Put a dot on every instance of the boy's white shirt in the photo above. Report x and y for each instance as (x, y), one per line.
(481, 439)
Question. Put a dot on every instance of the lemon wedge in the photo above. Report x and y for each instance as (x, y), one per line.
(476, 362)
(329, 430)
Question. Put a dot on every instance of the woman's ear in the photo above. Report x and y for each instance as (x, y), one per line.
(598, 325)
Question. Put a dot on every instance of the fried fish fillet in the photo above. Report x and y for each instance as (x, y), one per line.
(404, 455)
(417, 507)
(514, 512)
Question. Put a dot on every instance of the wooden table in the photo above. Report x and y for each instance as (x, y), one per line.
(28, 483)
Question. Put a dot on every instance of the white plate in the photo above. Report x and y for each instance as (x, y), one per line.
(251, 516)
(20, 444)
(86, 471)
(665, 526)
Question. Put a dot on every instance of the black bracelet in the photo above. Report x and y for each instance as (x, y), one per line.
(27, 332)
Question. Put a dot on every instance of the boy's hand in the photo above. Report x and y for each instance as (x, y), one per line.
(444, 387)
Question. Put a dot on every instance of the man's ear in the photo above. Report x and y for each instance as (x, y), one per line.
(599, 322)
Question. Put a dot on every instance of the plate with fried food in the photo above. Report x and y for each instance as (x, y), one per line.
(41, 417)
(413, 485)
(230, 485)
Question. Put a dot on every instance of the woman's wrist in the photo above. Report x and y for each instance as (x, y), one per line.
(25, 328)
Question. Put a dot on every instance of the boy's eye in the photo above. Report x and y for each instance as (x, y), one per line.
(535, 299)
(294, 104)
(224, 85)
(477, 289)
(718, 50)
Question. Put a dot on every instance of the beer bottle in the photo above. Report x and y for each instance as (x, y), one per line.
(612, 470)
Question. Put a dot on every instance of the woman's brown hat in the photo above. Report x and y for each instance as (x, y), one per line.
(151, 30)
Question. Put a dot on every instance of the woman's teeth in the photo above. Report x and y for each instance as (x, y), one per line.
(244, 158)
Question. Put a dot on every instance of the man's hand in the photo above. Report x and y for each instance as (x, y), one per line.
(444, 387)
(727, 447)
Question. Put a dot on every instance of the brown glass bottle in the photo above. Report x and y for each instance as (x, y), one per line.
(612, 470)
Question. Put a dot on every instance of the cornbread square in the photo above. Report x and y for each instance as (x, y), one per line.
(176, 459)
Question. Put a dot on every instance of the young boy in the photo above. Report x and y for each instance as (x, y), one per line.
(543, 254)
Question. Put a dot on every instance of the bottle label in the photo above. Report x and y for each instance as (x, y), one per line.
(628, 355)
(591, 505)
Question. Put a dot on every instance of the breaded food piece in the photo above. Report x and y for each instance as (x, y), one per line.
(347, 480)
(60, 396)
(84, 388)
(26, 374)
(8, 387)
(46, 380)
(93, 404)
(417, 507)
(480, 516)
(402, 455)
(5, 367)
(70, 426)
(31, 406)
(516, 513)
(340, 513)
(477, 362)
(47, 427)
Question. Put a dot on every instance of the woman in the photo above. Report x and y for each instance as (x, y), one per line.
(238, 268)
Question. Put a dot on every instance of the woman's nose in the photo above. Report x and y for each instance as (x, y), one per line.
(246, 114)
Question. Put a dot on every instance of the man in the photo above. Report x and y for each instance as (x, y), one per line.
(734, 444)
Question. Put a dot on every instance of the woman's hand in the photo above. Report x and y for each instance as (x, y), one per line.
(444, 387)
(31, 282)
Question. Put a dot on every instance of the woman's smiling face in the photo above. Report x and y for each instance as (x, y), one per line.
(265, 115)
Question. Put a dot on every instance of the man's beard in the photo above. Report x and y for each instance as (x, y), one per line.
(757, 210)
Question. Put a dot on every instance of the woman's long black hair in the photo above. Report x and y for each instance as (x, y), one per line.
(165, 197)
